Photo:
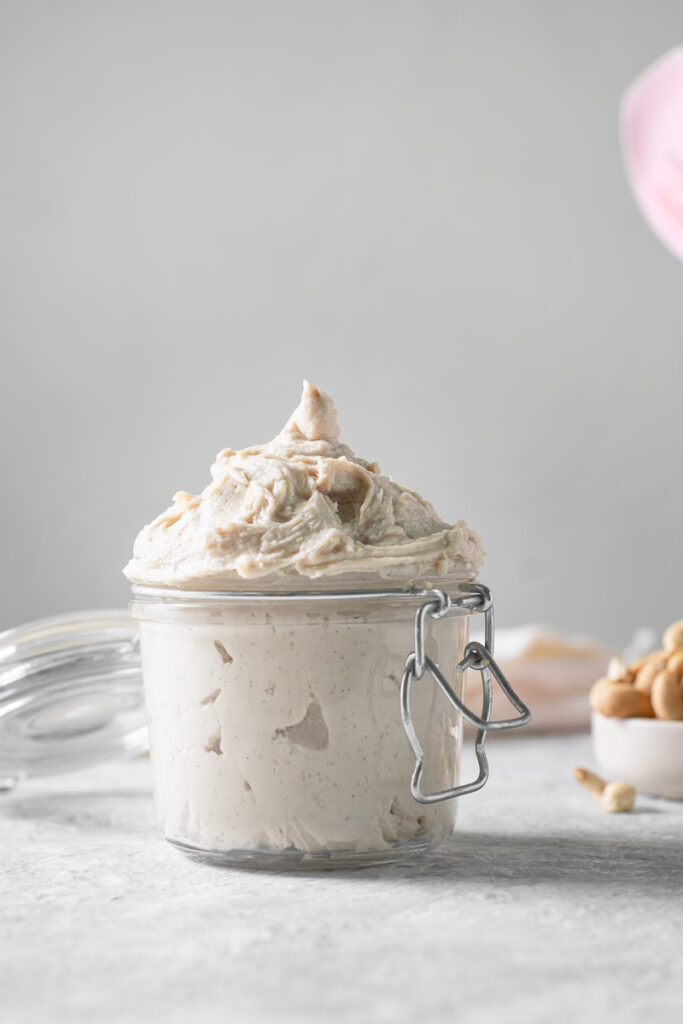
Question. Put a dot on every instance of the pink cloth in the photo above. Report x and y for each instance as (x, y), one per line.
(551, 672)
(652, 139)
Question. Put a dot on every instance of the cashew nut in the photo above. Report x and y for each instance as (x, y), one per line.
(613, 797)
(667, 691)
(651, 687)
(673, 637)
(620, 700)
(675, 662)
(647, 669)
(617, 671)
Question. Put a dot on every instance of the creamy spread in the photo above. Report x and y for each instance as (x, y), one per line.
(275, 722)
(275, 725)
(303, 504)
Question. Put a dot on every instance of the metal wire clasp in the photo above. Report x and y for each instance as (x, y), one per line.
(473, 597)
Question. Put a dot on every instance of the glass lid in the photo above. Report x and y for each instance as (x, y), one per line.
(70, 694)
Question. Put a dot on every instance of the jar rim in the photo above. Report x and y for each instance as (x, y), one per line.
(351, 590)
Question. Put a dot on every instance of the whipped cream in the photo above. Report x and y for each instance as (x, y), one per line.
(302, 504)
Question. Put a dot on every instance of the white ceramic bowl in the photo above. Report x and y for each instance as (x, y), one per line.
(646, 752)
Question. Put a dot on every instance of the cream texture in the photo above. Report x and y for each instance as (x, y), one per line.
(275, 725)
(303, 504)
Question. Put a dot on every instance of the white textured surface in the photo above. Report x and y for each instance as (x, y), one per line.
(540, 908)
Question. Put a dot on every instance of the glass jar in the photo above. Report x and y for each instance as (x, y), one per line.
(288, 730)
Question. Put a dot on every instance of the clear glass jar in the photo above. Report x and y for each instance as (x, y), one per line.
(275, 721)
(289, 729)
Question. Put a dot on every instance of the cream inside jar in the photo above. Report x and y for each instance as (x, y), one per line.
(276, 609)
(275, 722)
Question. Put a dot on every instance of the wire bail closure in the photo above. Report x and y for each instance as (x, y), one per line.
(475, 598)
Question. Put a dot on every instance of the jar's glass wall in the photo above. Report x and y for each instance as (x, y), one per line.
(275, 727)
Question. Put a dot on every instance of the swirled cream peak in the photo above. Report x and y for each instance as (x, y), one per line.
(302, 504)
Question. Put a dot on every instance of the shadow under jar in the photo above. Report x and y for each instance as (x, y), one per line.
(278, 720)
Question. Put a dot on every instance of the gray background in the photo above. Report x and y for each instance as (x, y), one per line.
(420, 206)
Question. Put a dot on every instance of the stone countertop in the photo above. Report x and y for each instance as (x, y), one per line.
(540, 908)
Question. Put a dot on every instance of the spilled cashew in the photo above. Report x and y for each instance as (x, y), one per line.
(613, 797)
